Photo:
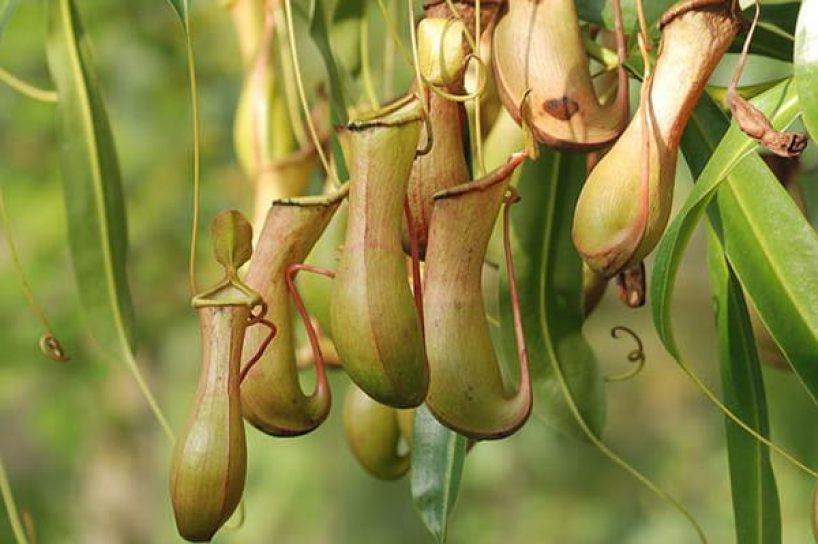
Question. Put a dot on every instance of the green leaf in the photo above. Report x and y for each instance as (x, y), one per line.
(771, 247)
(600, 12)
(733, 147)
(756, 507)
(92, 188)
(806, 64)
(9, 6)
(338, 106)
(182, 12)
(549, 278)
(437, 465)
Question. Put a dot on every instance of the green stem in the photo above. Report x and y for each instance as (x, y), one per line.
(11, 508)
(27, 89)
(194, 101)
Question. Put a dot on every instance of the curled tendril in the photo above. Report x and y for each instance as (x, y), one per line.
(482, 78)
(51, 348)
(635, 356)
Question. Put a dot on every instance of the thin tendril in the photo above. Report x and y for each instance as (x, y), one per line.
(745, 49)
(27, 89)
(478, 129)
(312, 334)
(302, 95)
(49, 344)
(393, 31)
(519, 332)
(366, 74)
(11, 507)
(194, 101)
(290, 92)
(413, 39)
(636, 356)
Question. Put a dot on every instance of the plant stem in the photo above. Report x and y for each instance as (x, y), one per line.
(11, 508)
(27, 89)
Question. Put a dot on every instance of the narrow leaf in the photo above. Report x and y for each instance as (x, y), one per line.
(181, 9)
(338, 108)
(756, 509)
(437, 465)
(770, 245)
(733, 147)
(806, 64)
(549, 277)
(92, 188)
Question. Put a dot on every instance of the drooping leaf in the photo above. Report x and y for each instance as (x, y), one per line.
(549, 278)
(92, 188)
(756, 508)
(769, 244)
(437, 465)
(806, 64)
(775, 32)
(182, 12)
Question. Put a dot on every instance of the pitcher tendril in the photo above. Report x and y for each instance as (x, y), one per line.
(49, 345)
(636, 356)
(302, 95)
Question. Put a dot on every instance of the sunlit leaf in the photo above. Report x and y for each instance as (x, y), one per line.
(756, 506)
(769, 244)
(549, 277)
(437, 465)
(92, 188)
(806, 64)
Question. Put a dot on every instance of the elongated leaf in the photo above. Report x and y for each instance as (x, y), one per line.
(92, 188)
(437, 465)
(549, 277)
(181, 9)
(756, 507)
(769, 244)
(338, 107)
(806, 64)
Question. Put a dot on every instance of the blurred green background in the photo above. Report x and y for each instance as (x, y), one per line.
(87, 461)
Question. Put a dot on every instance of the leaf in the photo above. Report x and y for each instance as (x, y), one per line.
(9, 7)
(806, 64)
(338, 108)
(181, 8)
(774, 35)
(437, 465)
(600, 12)
(769, 244)
(92, 188)
(549, 278)
(756, 508)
